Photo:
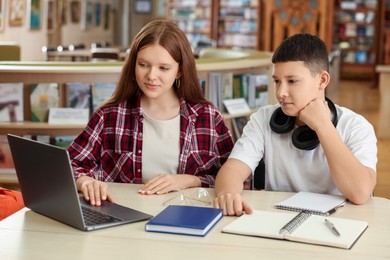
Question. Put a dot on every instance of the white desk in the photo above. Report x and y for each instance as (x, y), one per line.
(28, 235)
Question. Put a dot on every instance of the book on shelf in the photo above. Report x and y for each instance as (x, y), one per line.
(236, 106)
(226, 85)
(78, 95)
(298, 227)
(47, 139)
(63, 140)
(315, 203)
(11, 102)
(101, 92)
(185, 220)
(258, 90)
(241, 85)
(43, 96)
(350, 30)
(6, 162)
(238, 126)
(220, 88)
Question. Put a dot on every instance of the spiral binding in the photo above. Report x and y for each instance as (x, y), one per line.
(314, 212)
(295, 222)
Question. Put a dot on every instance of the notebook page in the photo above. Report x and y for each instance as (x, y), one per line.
(314, 202)
(314, 231)
(260, 223)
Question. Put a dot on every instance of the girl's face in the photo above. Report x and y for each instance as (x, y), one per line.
(295, 86)
(156, 71)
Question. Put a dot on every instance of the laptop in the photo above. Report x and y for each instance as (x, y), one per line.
(47, 185)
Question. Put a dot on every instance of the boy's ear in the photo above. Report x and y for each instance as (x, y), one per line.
(324, 79)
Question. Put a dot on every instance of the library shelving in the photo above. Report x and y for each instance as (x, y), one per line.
(62, 72)
(230, 23)
(238, 24)
(194, 17)
(384, 40)
(356, 33)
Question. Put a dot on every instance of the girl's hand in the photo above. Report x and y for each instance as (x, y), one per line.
(93, 190)
(164, 183)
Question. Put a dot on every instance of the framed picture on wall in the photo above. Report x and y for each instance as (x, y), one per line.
(106, 17)
(2, 15)
(143, 6)
(34, 14)
(87, 15)
(64, 12)
(75, 11)
(51, 15)
(17, 12)
(161, 7)
(98, 14)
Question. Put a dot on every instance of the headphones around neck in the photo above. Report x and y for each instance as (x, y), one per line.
(303, 137)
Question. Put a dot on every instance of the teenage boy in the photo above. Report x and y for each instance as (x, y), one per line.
(307, 142)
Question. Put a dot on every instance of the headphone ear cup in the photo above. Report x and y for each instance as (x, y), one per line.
(304, 138)
(281, 123)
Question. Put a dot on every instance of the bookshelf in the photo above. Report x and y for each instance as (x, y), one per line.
(238, 24)
(384, 41)
(356, 33)
(62, 72)
(194, 17)
(231, 23)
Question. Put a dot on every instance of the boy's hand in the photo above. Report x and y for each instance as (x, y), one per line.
(315, 113)
(232, 204)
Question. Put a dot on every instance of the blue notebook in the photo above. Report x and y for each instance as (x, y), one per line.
(185, 220)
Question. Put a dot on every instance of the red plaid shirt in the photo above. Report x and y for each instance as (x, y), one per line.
(110, 147)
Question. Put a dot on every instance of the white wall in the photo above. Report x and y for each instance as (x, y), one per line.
(124, 24)
(31, 41)
(73, 33)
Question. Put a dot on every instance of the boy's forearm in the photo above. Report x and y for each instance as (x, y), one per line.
(228, 183)
(352, 178)
(231, 177)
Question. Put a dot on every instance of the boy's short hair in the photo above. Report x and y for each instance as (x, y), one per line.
(303, 47)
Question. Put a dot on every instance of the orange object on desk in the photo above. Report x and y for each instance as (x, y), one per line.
(10, 202)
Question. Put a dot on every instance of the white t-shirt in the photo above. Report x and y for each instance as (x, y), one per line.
(160, 146)
(288, 168)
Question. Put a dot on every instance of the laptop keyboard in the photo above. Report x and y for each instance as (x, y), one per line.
(92, 217)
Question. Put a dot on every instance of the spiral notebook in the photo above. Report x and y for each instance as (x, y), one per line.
(315, 203)
(302, 227)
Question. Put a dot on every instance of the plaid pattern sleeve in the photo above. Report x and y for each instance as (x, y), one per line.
(83, 151)
(109, 148)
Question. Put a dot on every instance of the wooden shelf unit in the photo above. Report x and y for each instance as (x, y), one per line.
(356, 33)
(230, 23)
(62, 72)
(195, 18)
(238, 24)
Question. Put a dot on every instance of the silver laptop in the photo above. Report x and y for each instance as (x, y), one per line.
(47, 185)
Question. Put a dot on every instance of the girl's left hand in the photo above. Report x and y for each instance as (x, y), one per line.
(164, 183)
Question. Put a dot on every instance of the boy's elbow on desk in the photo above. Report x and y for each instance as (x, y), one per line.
(359, 198)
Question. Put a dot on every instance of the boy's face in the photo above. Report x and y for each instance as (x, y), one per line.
(295, 86)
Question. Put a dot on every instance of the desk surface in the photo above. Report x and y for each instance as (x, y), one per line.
(28, 235)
